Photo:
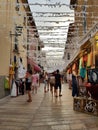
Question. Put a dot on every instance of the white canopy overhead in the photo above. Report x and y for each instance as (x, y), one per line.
(52, 18)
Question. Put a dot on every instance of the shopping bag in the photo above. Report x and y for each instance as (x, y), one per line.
(14, 90)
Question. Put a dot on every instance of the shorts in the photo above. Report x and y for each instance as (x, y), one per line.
(35, 84)
(28, 86)
(45, 82)
(57, 86)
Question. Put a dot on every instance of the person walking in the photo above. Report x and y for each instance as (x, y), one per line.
(74, 84)
(45, 82)
(35, 82)
(58, 82)
(52, 84)
(28, 82)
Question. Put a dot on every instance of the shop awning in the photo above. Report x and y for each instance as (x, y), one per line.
(34, 65)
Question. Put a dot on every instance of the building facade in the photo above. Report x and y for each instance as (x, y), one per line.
(84, 29)
(14, 40)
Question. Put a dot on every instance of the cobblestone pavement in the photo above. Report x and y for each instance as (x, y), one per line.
(45, 112)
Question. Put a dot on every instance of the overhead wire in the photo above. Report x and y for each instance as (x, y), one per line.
(53, 13)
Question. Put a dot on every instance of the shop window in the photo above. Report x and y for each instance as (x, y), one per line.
(16, 47)
(15, 59)
(24, 21)
(18, 30)
(16, 44)
(20, 59)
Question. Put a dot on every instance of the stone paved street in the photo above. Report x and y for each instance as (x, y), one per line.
(44, 113)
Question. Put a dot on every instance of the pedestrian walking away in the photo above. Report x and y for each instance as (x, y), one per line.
(28, 85)
(58, 80)
(45, 82)
(35, 82)
(52, 84)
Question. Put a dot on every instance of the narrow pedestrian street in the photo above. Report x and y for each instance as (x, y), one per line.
(45, 112)
(48, 42)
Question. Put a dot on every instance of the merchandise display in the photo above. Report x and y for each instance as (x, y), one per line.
(87, 101)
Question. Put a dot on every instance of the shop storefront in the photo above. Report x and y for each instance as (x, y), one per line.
(86, 66)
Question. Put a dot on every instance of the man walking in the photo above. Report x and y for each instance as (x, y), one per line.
(58, 79)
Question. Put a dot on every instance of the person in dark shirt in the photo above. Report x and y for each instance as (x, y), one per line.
(28, 82)
(58, 78)
(74, 84)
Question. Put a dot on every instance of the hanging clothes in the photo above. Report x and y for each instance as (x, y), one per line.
(83, 72)
(80, 62)
(74, 86)
(85, 57)
(90, 59)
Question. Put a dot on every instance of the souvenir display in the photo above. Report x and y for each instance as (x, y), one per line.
(92, 76)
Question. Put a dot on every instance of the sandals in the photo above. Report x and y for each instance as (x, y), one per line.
(29, 100)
